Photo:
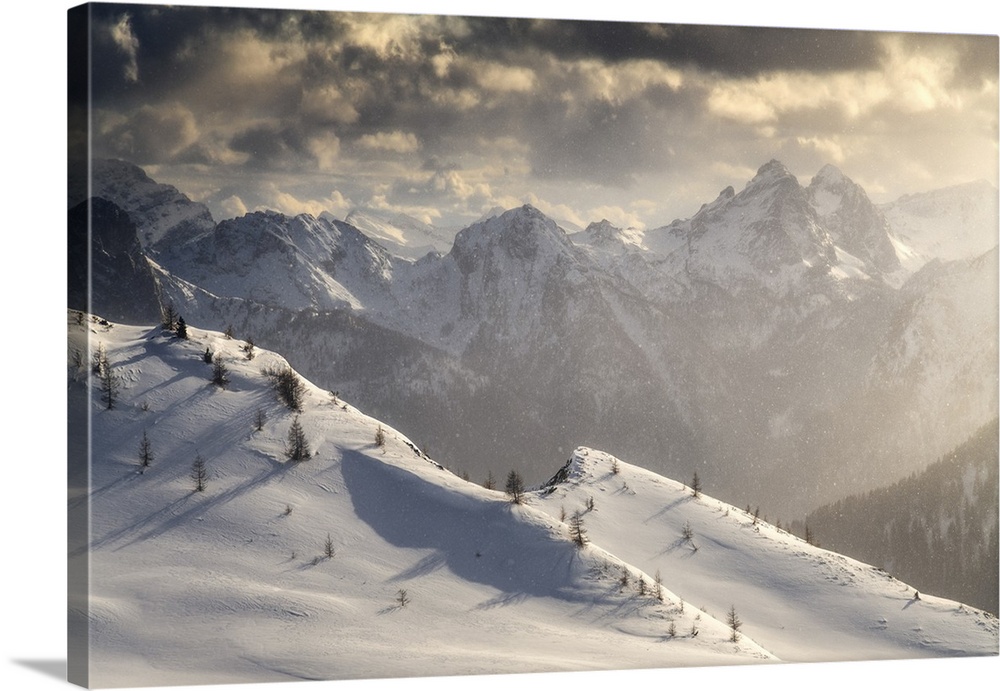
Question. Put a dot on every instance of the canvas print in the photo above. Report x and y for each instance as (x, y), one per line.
(407, 345)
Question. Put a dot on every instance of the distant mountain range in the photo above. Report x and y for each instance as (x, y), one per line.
(792, 344)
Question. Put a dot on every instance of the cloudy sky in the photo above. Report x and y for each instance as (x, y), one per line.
(443, 117)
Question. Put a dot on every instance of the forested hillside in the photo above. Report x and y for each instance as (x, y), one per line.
(936, 529)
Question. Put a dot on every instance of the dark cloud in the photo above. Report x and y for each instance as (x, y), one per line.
(417, 105)
(730, 50)
(272, 147)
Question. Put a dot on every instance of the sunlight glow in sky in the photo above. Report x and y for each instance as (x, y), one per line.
(444, 117)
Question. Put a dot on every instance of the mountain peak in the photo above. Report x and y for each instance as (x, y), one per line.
(854, 223)
(774, 167)
(520, 227)
(603, 227)
(830, 174)
(772, 174)
(604, 232)
(162, 214)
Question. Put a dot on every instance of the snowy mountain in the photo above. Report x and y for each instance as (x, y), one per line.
(759, 341)
(159, 211)
(366, 558)
(957, 222)
(293, 263)
(855, 224)
(769, 234)
(403, 235)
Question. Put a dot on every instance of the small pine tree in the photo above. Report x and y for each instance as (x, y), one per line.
(577, 532)
(756, 515)
(658, 586)
(809, 535)
(110, 385)
(380, 437)
(590, 503)
(199, 473)
(642, 585)
(672, 630)
(297, 448)
(623, 581)
(328, 550)
(687, 532)
(288, 386)
(402, 599)
(169, 320)
(734, 623)
(182, 329)
(614, 466)
(100, 360)
(490, 482)
(228, 333)
(515, 487)
(696, 485)
(259, 419)
(248, 348)
(145, 451)
(220, 373)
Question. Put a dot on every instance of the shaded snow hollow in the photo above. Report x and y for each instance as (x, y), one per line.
(232, 584)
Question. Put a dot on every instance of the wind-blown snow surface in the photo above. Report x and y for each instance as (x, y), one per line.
(231, 584)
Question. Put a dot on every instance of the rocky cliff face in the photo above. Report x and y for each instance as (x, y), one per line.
(108, 273)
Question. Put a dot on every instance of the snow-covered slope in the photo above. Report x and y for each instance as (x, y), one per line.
(427, 574)
(232, 583)
(958, 222)
(798, 601)
(402, 235)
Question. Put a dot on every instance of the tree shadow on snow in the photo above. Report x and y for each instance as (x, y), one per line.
(669, 507)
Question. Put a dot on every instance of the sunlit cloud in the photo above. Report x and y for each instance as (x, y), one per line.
(503, 78)
(399, 142)
(325, 148)
(127, 43)
(233, 207)
(328, 103)
(425, 214)
(287, 203)
(449, 116)
(154, 133)
(617, 83)
(829, 148)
